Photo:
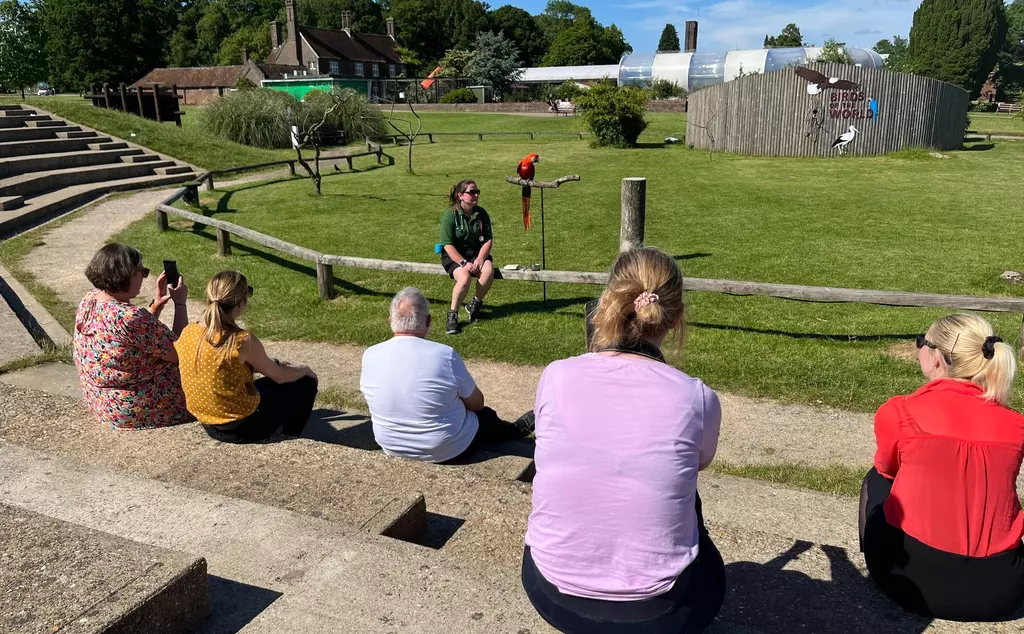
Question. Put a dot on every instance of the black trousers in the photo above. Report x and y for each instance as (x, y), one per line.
(932, 582)
(491, 429)
(282, 405)
(690, 605)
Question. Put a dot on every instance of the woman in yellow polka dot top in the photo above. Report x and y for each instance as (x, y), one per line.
(217, 359)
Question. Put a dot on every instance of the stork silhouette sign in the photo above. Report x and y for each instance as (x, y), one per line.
(835, 100)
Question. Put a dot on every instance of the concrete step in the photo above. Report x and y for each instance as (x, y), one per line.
(11, 202)
(12, 122)
(80, 134)
(19, 113)
(141, 158)
(5, 108)
(63, 576)
(9, 135)
(15, 340)
(45, 122)
(37, 183)
(49, 146)
(108, 145)
(38, 321)
(40, 208)
(177, 169)
(15, 166)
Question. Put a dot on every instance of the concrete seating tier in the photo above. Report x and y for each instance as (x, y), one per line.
(791, 555)
(48, 166)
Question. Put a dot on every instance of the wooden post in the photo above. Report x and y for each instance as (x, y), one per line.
(223, 243)
(348, 159)
(138, 97)
(380, 150)
(325, 280)
(156, 102)
(430, 137)
(161, 221)
(209, 183)
(124, 97)
(106, 95)
(634, 209)
(291, 167)
(177, 111)
(479, 137)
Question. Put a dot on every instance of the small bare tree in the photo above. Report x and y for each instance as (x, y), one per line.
(408, 132)
(305, 133)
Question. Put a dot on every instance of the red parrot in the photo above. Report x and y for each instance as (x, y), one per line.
(526, 171)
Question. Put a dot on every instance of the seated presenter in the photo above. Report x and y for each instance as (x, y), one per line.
(940, 520)
(616, 541)
(217, 358)
(424, 404)
(466, 243)
(125, 357)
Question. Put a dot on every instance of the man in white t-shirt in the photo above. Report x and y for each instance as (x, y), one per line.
(424, 404)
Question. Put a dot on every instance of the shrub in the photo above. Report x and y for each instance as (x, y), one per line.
(614, 115)
(460, 95)
(567, 91)
(983, 106)
(258, 118)
(356, 118)
(665, 89)
(244, 83)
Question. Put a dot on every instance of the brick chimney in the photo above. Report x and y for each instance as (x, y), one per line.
(390, 23)
(346, 20)
(691, 36)
(275, 35)
(245, 56)
(294, 43)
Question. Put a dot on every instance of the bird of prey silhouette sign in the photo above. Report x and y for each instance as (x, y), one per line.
(818, 82)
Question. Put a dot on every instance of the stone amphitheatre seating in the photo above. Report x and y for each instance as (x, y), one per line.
(294, 532)
(48, 165)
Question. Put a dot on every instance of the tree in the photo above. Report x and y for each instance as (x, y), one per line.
(1015, 29)
(522, 30)
(614, 115)
(578, 38)
(113, 41)
(613, 46)
(669, 39)
(495, 63)
(898, 51)
(834, 53)
(251, 38)
(577, 45)
(22, 58)
(790, 36)
(367, 16)
(957, 40)
(454, 63)
(419, 28)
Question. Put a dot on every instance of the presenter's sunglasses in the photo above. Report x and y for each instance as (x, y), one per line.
(472, 192)
(921, 342)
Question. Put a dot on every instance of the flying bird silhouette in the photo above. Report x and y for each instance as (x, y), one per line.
(844, 140)
(819, 82)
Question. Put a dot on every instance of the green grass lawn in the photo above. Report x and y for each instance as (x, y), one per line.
(914, 224)
(1001, 123)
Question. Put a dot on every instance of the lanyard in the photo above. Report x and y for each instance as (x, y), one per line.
(641, 348)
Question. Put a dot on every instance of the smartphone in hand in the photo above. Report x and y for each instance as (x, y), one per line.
(171, 272)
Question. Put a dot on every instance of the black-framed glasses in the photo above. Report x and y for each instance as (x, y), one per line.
(144, 271)
(249, 292)
(472, 192)
(922, 341)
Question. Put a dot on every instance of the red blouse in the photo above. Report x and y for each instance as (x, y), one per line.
(955, 459)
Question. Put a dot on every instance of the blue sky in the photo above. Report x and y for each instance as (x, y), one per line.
(730, 24)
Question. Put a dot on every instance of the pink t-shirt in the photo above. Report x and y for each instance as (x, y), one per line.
(619, 444)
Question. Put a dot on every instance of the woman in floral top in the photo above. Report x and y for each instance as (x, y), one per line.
(125, 357)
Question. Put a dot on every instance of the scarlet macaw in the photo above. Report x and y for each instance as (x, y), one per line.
(526, 171)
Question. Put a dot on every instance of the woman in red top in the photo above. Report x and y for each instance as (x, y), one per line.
(941, 523)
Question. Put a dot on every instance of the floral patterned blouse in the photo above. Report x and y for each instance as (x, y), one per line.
(117, 352)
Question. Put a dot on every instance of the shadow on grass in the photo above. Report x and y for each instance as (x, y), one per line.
(807, 335)
(978, 147)
(848, 604)
(650, 146)
(690, 256)
(533, 306)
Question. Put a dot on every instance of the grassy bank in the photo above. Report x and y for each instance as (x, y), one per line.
(997, 123)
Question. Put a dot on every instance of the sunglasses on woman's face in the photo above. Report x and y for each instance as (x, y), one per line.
(144, 271)
(472, 192)
(922, 342)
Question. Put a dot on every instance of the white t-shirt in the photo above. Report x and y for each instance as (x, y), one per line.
(413, 388)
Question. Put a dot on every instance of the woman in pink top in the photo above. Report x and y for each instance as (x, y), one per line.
(616, 540)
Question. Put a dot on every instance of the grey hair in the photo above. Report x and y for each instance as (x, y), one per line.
(409, 311)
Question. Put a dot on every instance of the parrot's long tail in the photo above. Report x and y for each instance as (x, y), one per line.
(526, 208)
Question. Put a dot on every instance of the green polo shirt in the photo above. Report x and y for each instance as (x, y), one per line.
(466, 233)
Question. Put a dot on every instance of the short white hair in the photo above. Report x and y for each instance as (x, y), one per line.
(410, 311)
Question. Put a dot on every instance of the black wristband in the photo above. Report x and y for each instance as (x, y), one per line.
(463, 262)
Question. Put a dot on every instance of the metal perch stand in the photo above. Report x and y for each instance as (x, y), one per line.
(542, 185)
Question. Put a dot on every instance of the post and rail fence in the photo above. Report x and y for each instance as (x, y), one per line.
(631, 235)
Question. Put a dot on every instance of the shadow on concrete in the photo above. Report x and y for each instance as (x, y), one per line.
(233, 605)
(341, 428)
(440, 528)
(777, 601)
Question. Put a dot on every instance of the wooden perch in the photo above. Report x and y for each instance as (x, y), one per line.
(515, 180)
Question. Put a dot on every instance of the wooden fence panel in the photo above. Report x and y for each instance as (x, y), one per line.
(774, 115)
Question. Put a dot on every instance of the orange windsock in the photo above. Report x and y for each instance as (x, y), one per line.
(429, 81)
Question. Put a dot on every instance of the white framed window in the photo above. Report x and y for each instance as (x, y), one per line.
(335, 69)
(391, 70)
(359, 69)
(376, 70)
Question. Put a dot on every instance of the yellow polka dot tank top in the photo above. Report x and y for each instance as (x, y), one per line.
(217, 384)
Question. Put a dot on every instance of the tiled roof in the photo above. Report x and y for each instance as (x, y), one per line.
(359, 47)
(277, 71)
(194, 77)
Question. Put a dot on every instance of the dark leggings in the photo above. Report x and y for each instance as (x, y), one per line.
(491, 429)
(690, 605)
(932, 582)
(282, 405)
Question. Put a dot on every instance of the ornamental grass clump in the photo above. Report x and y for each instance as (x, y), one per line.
(258, 118)
(353, 120)
(614, 115)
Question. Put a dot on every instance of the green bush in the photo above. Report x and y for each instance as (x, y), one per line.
(983, 106)
(614, 115)
(258, 118)
(244, 83)
(354, 120)
(665, 89)
(567, 91)
(460, 95)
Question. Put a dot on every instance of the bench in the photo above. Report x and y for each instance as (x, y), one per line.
(1009, 108)
(562, 107)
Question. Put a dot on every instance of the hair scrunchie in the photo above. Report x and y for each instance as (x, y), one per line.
(645, 299)
(988, 349)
